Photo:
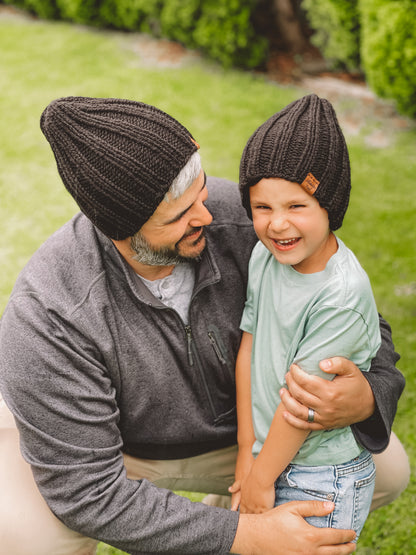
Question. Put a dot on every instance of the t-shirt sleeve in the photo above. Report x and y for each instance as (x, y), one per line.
(336, 331)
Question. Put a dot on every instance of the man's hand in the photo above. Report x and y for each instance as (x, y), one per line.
(345, 400)
(283, 531)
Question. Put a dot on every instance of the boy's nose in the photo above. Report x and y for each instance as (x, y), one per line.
(278, 223)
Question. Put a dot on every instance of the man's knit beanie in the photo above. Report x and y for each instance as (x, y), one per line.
(302, 143)
(117, 158)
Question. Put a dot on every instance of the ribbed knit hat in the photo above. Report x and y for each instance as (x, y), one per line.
(302, 143)
(116, 157)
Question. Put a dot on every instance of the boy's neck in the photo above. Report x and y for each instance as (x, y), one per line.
(319, 259)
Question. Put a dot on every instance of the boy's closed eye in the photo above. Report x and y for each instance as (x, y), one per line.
(260, 207)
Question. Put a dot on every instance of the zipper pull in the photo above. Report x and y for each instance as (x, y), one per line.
(216, 347)
(189, 340)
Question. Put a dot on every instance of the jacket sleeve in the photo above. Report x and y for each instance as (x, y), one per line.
(66, 410)
(387, 384)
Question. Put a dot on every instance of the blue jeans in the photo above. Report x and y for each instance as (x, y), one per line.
(349, 485)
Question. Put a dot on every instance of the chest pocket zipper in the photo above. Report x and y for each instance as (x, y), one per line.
(216, 347)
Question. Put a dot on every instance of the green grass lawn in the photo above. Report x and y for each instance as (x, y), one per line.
(44, 60)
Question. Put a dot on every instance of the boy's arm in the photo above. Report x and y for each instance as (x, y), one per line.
(366, 401)
(245, 433)
(282, 443)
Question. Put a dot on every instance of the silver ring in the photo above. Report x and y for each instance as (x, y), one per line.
(311, 415)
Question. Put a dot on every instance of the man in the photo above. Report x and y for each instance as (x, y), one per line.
(117, 359)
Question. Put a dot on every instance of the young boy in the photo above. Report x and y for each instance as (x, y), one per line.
(308, 299)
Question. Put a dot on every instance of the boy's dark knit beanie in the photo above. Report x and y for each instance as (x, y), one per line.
(302, 143)
(116, 157)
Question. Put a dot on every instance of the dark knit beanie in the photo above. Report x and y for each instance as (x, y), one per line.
(302, 143)
(117, 158)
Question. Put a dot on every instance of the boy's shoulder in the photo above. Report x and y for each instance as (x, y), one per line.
(348, 283)
(348, 265)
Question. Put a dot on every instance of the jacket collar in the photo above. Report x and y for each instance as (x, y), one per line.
(207, 270)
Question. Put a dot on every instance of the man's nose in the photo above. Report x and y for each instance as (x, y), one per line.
(201, 216)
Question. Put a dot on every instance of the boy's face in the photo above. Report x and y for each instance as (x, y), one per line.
(292, 225)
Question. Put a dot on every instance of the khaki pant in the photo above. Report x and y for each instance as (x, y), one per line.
(28, 526)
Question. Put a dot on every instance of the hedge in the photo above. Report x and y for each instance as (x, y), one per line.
(336, 25)
(388, 50)
(222, 29)
(377, 37)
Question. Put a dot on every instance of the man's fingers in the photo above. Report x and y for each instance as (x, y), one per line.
(338, 550)
(304, 387)
(319, 508)
(292, 405)
(301, 424)
(312, 508)
(295, 405)
(338, 365)
(297, 414)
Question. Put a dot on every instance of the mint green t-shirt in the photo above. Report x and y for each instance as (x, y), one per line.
(304, 318)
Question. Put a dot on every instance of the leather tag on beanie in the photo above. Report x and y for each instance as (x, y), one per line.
(310, 183)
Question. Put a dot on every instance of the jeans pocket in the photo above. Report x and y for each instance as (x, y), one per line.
(314, 483)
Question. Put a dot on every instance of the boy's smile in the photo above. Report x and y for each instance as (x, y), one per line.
(286, 244)
(292, 224)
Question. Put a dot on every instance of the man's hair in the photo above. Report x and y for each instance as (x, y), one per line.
(185, 177)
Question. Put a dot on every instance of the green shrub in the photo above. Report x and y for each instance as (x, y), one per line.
(336, 26)
(222, 29)
(17, 3)
(225, 32)
(80, 11)
(388, 50)
(46, 9)
(132, 15)
(178, 20)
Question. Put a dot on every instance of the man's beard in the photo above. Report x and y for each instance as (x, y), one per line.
(146, 254)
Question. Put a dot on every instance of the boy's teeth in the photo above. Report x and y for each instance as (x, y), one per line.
(286, 241)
